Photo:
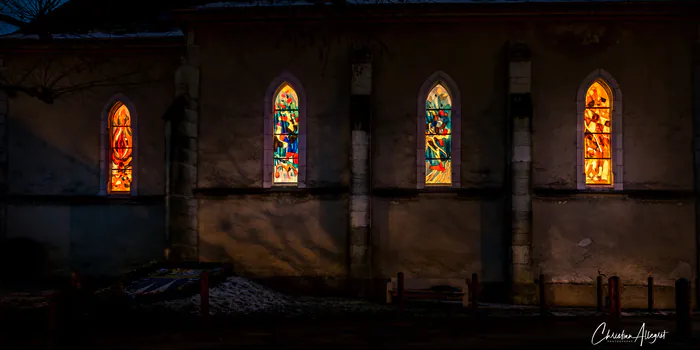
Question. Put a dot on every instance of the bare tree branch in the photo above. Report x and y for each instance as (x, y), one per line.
(48, 77)
(26, 11)
(11, 20)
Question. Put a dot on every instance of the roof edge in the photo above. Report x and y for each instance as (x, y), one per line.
(379, 12)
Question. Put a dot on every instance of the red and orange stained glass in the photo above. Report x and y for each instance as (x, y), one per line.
(120, 149)
(597, 137)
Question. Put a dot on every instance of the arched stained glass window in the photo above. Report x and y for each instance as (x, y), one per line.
(285, 136)
(438, 136)
(597, 126)
(120, 172)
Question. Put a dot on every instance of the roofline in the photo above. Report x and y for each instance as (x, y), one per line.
(672, 10)
(106, 46)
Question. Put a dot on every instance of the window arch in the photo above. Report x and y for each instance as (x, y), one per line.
(599, 139)
(118, 148)
(438, 155)
(285, 133)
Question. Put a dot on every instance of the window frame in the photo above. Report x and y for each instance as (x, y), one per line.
(105, 147)
(268, 157)
(434, 79)
(616, 135)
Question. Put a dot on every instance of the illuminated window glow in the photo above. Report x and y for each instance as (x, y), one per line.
(285, 137)
(597, 137)
(438, 137)
(120, 149)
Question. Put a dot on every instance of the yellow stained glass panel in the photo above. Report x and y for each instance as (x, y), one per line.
(438, 136)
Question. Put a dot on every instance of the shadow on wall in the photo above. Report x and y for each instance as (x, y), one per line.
(45, 160)
(632, 239)
(96, 237)
(109, 240)
(23, 262)
(295, 243)
(495, 245)
(439, 237)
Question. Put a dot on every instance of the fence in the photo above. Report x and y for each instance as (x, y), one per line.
(613, 309)
(683, 303)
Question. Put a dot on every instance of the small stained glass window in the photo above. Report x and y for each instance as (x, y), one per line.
(120, 149)
(597, 137)
(285, 136)
(438, 137)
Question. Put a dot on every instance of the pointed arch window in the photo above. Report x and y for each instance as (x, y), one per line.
(438, 137)
(600, 134)
(118, 161)
(438, 156)
(285, 136)
(121, 149)
(597, 138)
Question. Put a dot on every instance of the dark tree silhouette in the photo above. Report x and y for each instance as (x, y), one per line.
(52, 74)
(28, 15)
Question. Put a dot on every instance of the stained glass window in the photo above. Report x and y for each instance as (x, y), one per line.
(285, 140)
(597, 138)
(120, 149)
(438, 137)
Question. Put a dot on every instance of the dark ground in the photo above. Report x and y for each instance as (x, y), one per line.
(115, 328)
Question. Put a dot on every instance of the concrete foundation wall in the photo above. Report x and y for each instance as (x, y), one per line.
(576, 238)
(458, 238)
(266, 236)
(97, 240)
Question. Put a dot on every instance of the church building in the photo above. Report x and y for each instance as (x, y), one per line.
(327, 146)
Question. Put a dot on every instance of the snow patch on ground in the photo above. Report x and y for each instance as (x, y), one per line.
(97, 35)
(575, 279)
(239, 296)
(235, 295)
(25, 300)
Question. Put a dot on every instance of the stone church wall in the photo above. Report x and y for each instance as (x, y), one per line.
(54, 166)
(649, 230)
(575, 235)
(303, 235)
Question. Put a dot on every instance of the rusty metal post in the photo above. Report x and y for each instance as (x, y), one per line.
(474, 290)
(599, 292)
(684, 312)
(53, 311)
(650, 294)
(614, 298)
(204, 294)
(400, 289)
(75, 280)
(543, 296)
(697, 294)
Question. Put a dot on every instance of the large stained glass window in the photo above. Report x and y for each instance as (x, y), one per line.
(438, 137)
(285, 136)
(120, 149)
(597, 134)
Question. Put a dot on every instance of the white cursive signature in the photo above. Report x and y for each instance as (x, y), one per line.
(602, 334)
